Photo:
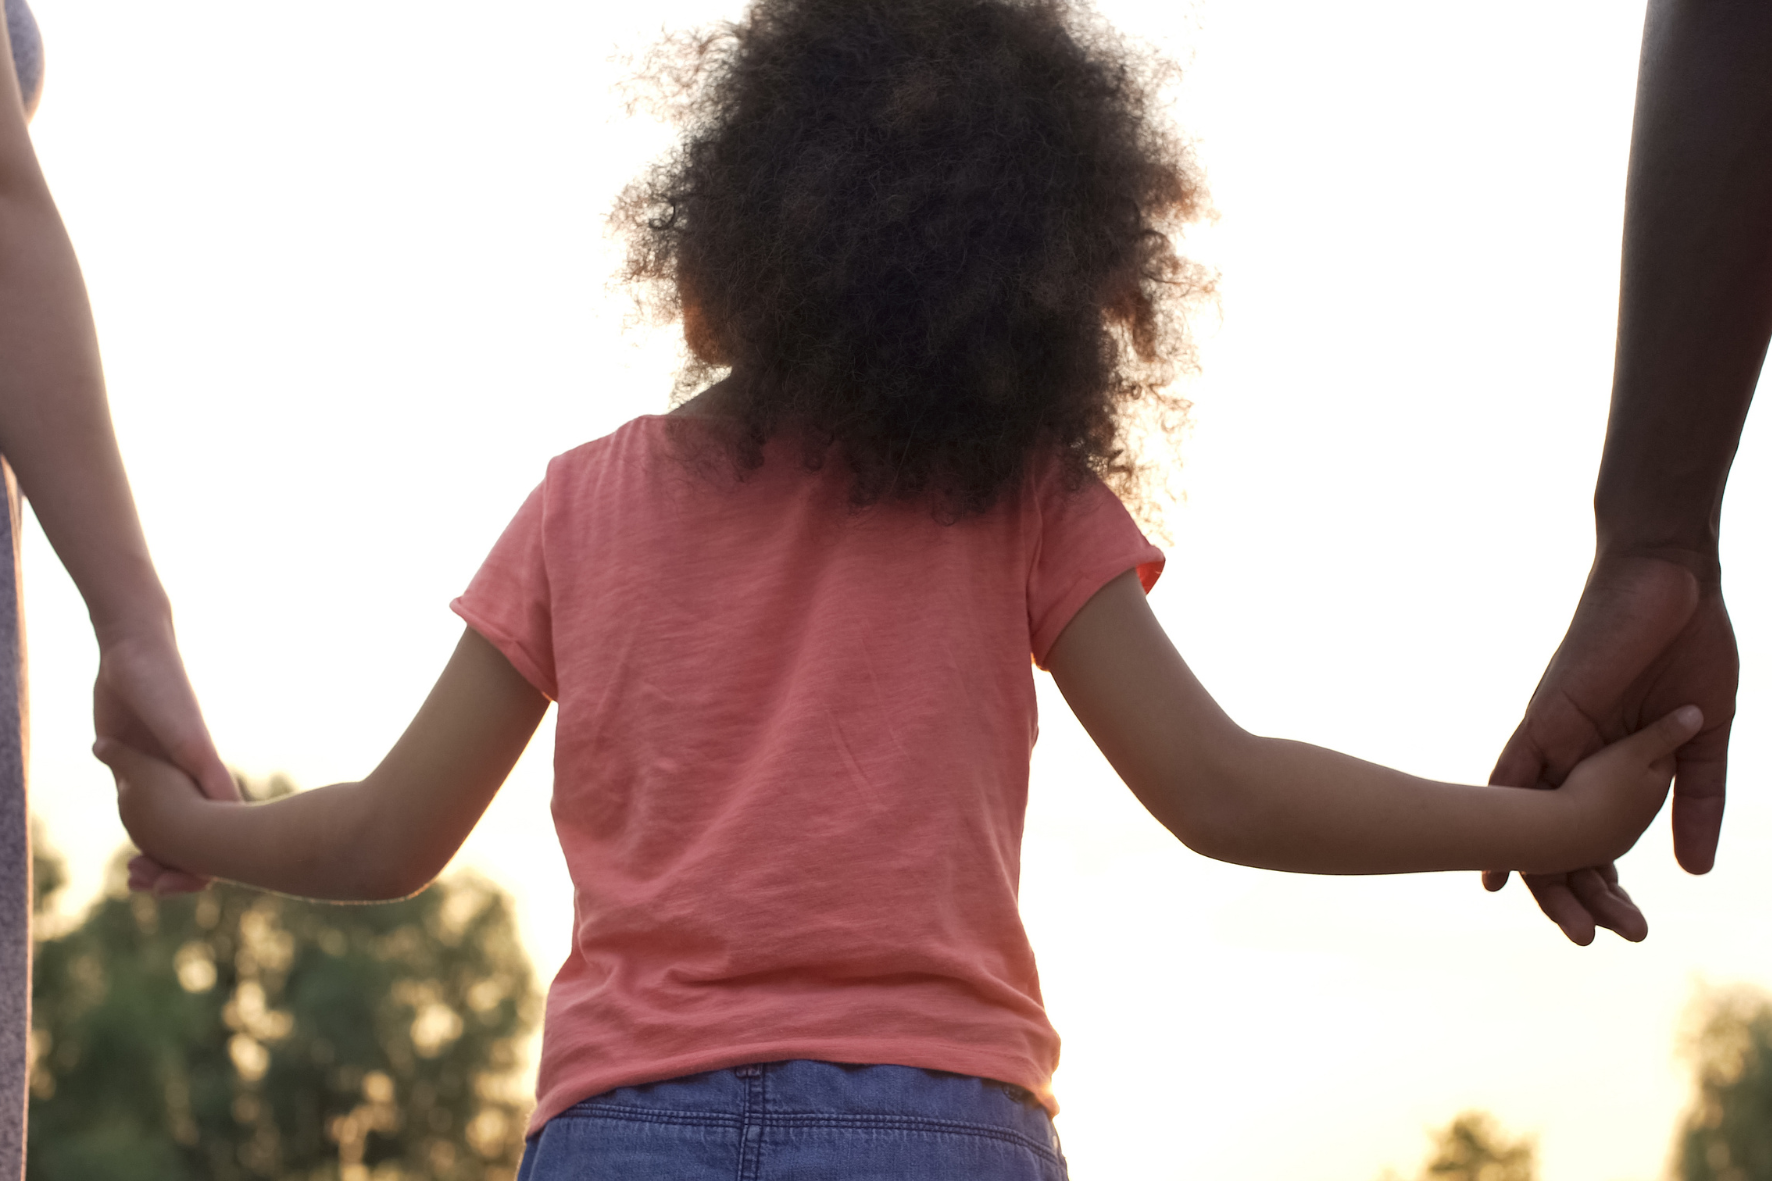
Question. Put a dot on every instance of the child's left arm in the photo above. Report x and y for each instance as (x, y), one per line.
(384, 837)
(1274, 804)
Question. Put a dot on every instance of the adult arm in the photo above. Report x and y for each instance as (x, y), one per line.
(1275, 804)
(384, 837)
(1695, 312)
(55, 432)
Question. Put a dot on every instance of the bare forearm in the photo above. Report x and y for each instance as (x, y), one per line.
(55, 423)
(1287, 805)
(1283, 805)
(1695, 307)
(330, 843)
(385, 837)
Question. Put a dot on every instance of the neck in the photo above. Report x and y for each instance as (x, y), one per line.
(711, 402)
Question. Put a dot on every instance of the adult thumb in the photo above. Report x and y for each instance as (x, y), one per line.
(121, 758)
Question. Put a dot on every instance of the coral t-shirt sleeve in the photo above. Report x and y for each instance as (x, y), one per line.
(508, 602)
(1086, 540)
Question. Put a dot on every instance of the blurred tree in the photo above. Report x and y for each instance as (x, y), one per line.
(49, 873)
(236, 1036)
(1727, 1136)
(1473, 1147)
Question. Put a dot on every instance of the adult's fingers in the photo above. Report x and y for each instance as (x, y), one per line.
(1605, 900)
(144, 697)
(123, 760)
(170, 713)
(212, 775)
(1562, 907)
(1699, 778)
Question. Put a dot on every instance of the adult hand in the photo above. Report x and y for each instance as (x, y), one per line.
(143, 699)
(1649, 635)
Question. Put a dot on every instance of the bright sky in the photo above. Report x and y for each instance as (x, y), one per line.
(352, 287)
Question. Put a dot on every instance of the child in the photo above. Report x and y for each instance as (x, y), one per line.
(788, 625)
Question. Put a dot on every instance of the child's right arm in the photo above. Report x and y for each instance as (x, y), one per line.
(384, 837)
(1283, 805)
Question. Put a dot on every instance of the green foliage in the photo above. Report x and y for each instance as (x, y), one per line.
(49, 873)
(1727, 1136)
(1473, 1147)
(236, 1036)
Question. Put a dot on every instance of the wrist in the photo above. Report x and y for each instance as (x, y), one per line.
(1613, 550)
(166, 820)
(180, 830)
(1568, 833)
(139, 619)
(1682, 527)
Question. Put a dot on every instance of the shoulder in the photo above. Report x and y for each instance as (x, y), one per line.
(1054, 490)
(1076, 520)
(628, 450)
(637, 436)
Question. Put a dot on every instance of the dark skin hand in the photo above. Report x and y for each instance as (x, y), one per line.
(1646, 633)
(1695, 314)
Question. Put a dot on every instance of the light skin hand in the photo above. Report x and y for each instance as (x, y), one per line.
(1291, 806)
(384, 837)
(1649, 634)
(143, 699)
(55, 431)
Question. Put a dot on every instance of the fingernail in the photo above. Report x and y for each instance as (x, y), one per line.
(1690, 715)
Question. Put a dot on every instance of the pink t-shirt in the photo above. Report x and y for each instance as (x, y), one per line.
(791, 759)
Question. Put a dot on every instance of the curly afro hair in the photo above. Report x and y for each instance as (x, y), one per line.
(927, 235)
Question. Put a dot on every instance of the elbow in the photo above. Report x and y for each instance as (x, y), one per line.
(390, 879)
(1205, 816)
(374, 868)
(381, 855)
(1203, 803)
(1210, 824)
(380, 884)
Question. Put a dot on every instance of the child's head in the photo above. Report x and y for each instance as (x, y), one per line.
(927, 233)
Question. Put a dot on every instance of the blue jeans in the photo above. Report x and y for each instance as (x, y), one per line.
(801, 1121)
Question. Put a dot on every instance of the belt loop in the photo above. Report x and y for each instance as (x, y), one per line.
(750, 1145)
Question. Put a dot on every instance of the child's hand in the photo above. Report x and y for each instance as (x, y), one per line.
(143, 699)
(1618, 790)
(154, 799)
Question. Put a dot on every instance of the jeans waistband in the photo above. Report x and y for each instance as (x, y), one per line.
(806, 1093)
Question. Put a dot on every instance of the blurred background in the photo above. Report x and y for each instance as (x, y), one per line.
(353, 288)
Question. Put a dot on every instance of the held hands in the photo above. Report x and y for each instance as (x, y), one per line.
(1648, 636)
(143, 700)
(156, 801)
(1614, 794)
